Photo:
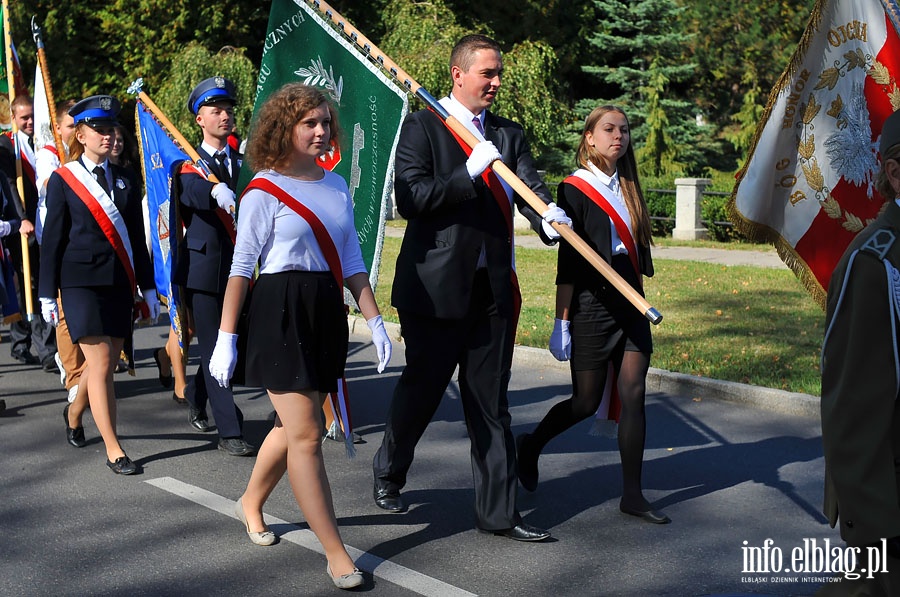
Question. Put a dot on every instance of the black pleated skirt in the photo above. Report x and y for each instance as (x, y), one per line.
(603, 321)
(98, 311)
(297, 332)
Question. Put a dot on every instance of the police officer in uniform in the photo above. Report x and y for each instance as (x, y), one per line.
(205, 254)
(861, 385)
(95, 257)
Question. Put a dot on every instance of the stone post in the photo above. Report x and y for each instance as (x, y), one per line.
(688, 195)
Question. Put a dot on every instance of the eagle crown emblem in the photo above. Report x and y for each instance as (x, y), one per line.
(105, 103)
(220, 82)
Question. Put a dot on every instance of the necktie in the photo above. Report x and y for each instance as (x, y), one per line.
(477, 122)
(100, 173)
(224, 175)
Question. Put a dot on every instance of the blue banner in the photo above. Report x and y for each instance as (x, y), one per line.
(159, 156)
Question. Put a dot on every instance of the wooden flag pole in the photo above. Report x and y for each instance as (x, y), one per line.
(20, 183)
(172, 131)
(605, 269)
(48, 88)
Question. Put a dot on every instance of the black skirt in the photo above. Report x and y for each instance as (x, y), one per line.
(297, 332)
(604, 322)
(98, 311)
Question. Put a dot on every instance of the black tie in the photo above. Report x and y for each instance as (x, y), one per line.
(100, 173)
(224, 176)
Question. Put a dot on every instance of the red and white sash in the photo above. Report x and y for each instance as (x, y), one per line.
(332, 257)
(588, 183)
(104, 211)
(23, 149)
(503, 195)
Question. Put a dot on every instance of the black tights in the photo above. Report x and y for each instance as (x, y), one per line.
(587, 391)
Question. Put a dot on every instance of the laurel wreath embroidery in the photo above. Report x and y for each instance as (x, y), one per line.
(806, 148)
(318, 76)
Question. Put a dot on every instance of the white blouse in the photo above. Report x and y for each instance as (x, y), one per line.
(281, 240)
(612, 183)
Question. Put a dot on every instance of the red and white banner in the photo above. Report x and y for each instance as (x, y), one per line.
(808, 184)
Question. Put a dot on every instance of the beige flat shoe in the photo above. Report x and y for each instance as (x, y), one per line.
(350, 580)
(267, 537)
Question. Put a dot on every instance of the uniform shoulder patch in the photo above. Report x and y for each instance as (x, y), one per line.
(879, 243)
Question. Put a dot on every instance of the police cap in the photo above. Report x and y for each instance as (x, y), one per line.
(211, 91)
(96, 110)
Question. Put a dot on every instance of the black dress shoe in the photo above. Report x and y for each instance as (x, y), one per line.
(179, 399)
(25, 356)
(166, 381)
(49, 364)
(75, 436)
(389, 500)
(199, 420)
(521, 532)
(122, 466)
(651, 516)
(236, 446)
(528, 464)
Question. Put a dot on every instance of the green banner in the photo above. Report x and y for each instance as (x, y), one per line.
(301, 46)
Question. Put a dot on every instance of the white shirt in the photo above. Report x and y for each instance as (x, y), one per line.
(90, 168)
(464, 116)
(46, 162)
(213, 151)
(272, 232)
(615, 191)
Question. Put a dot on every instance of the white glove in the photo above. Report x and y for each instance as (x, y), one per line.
(381, 341)
(224, 358)
(223, 196)
(50, 311)
(560, 340)
(554, 213)
(5, 228)
(152, 305)
(483, 155)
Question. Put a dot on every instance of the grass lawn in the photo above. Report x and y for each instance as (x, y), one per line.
(736, 323)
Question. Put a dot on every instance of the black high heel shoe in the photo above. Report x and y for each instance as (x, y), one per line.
(166, 381)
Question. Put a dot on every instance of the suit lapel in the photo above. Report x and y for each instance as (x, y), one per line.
(492, 132)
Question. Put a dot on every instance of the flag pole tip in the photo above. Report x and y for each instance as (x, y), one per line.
(135, 87)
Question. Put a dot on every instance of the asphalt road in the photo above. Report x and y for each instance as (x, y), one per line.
(730, 476)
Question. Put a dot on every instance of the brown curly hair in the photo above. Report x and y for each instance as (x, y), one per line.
(271, 139)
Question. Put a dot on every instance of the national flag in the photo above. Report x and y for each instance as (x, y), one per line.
(808, 184)
(43, 124)
(19, 80)
(301, 46)
(160, 159)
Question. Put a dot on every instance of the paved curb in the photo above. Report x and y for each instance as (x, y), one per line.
(660, 380)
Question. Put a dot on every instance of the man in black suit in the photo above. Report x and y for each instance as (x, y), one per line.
(37, 332)
(205, 253)
(455, 288)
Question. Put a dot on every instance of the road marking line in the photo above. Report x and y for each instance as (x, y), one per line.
(384, 569)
